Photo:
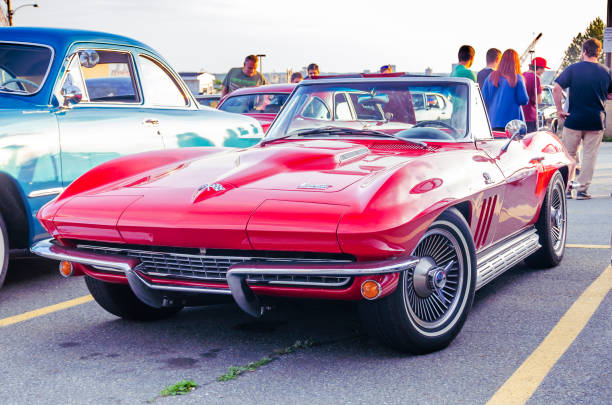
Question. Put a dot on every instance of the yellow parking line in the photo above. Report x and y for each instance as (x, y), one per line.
(45, 310)
(577, 245)
(526, 379)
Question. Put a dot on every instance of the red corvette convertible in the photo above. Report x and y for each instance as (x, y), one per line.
(349, 197)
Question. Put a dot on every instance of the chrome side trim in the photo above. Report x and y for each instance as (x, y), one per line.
(45, 192)
(50, 249)
(249, 303)
(501, 257)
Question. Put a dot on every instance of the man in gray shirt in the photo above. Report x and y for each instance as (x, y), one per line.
(247, 76)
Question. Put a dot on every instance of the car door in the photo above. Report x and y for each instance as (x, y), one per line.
(179, 120)
(518, 197)
(109, 121)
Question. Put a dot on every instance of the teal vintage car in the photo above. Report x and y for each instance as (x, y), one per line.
(70, 100)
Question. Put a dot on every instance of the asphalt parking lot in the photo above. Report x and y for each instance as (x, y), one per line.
(517, 345)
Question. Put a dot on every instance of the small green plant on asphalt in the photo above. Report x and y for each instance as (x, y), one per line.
(233, 371)
(180, 388)
(299, 344)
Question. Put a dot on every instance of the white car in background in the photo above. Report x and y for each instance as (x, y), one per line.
(431, 107)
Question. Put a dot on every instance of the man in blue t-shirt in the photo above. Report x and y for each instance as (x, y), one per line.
(590, 85)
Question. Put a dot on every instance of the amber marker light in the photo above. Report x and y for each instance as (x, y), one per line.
(370, 289)
(65, 268)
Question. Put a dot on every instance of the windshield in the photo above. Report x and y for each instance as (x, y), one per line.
(23, 68)
(408, 109)
(261, 103)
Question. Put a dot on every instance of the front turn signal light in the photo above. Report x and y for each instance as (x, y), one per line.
(66, 269)
(370, 289)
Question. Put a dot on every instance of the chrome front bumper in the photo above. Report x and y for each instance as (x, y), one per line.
(165, 295)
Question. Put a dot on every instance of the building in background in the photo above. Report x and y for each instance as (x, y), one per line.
(199, 82)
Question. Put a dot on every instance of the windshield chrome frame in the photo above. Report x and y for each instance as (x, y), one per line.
(468, 138)
(44, 80)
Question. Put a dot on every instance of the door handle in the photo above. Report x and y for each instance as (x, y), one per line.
(150, 121)
(487, 178)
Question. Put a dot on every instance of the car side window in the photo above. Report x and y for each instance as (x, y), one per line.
(316, 109)
(111, 79)
(432, 101)
(160, 88)
(342, 108)
(547, 99)
(74, 77)
(417, 100)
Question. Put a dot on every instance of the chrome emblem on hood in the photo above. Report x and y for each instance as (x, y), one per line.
(206, 187)
(214, 186)
(314, 186)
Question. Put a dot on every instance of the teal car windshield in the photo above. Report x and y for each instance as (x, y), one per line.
(23, 68)
(422, 110)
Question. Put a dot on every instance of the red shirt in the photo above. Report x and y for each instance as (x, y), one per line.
(529, 110)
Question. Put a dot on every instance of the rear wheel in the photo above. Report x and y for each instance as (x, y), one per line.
(118, 299)
(551, 226)
(4, 251)
(431, 302)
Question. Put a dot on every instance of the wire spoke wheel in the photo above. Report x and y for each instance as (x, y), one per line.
(557, 218)
(432, 300)
(4, 250)
(551, 226)
(433, 310)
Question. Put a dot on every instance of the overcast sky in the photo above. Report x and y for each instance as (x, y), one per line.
(339, 35)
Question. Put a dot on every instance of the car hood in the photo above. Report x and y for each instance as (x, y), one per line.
(264, 119)
(294, 193)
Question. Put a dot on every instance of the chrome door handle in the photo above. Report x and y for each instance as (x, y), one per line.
(536, 159)
(150, 121)
(487, 178)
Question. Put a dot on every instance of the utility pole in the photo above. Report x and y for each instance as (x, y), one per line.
(260, 57)
(609, 25)
(9, 12)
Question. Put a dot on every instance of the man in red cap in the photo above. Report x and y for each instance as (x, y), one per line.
(534, 90)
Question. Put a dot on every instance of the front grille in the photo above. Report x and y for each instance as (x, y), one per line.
(213, 267)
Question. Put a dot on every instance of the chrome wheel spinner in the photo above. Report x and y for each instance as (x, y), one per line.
(429, 278)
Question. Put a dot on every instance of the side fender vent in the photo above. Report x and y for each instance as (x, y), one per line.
(484, 221)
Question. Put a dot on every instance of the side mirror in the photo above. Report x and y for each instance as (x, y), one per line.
(89, 58)
(72, 95)
(515, 129)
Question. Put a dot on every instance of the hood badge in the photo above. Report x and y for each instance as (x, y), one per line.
(308, 186)
(207, 187)
(214, 186)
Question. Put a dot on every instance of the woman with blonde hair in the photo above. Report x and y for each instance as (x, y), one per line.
(504, 92)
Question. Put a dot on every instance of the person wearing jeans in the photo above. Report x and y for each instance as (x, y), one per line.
(590, 85)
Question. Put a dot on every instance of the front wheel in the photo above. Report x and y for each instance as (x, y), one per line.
(432, 301)
(551, 226)
(119, 300)
(4, 251)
